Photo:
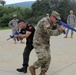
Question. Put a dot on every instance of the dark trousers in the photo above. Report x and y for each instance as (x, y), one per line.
(26, 54)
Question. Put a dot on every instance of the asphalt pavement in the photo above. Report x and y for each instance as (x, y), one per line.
(63, 55)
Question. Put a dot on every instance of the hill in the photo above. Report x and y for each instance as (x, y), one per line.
(22, 4)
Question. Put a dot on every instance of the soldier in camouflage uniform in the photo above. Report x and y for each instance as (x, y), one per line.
(71, 20)
(41, 42)
(14, 25)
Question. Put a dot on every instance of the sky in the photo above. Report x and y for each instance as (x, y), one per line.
(16, 1)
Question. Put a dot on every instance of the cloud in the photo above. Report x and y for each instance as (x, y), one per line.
(16, 1)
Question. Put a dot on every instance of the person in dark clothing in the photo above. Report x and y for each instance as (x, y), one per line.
(27, 31)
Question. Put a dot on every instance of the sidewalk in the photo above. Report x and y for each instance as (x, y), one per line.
(63, 53)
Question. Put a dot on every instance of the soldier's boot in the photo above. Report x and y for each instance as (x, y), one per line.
(71, 36)
(22, 42)
(42, 72)
(65, 36)
(14, 41)
(32, 70)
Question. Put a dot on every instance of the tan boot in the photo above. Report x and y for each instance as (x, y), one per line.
(22, 42)
(65, 36)
(32, 70)
(71, 36)
(42, 73)
(15, 42)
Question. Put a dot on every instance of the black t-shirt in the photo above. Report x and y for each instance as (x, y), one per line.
(32, 30)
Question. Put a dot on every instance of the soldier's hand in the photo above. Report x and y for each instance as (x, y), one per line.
(47, 25)
(62, 27)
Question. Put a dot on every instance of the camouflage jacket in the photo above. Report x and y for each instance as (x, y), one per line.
(42, 33)
(14, 24)
(71, 19)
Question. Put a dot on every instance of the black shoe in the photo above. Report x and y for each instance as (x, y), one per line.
(23, 69)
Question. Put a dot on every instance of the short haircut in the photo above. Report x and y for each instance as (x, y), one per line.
(71, 11)
(21, 20)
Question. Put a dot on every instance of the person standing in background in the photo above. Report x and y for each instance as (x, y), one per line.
(71, 20)
(14, 25)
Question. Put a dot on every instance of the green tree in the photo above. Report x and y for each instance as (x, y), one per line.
(2, 2)
(6, 14)
(41, 7)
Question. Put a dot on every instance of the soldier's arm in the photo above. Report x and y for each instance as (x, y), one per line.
(68, 19)
(10, 24)
(48, 29)
(27, 34)
(74, 20)
(23, 35)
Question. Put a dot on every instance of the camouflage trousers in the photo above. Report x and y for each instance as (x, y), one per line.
(71, 30)
(44, 57)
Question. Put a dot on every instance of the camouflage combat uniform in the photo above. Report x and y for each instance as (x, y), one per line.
(14, 25)
(41, 43)
(71, 20)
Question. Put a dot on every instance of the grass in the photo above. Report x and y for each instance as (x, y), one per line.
(4, 28)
